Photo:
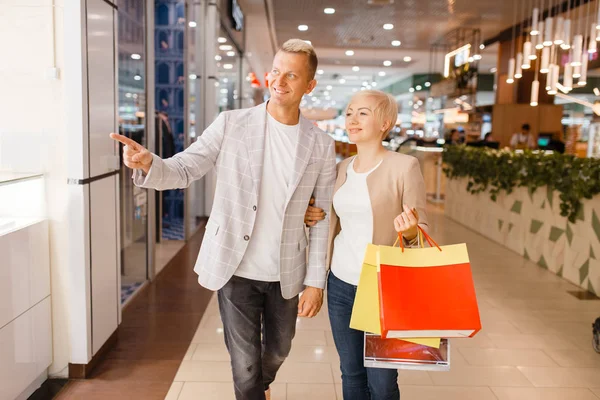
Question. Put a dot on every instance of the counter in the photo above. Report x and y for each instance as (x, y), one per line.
(531, 225)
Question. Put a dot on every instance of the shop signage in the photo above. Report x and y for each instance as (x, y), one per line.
(237, 15)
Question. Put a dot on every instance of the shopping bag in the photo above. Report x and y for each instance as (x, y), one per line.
(426, 292)
(401, 354)
(365, 312)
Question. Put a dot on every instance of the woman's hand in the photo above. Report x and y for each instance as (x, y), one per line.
(313, 214)
(407, 222)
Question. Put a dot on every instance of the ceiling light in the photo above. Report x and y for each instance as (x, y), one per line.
(407, 59)
(482, 46)
(349, 52)
(192, 24)
(493, 70)
(355, 69)
(225, 80)
(218, 57)
(320, 72)
(387, 63)
(228, 66)
(418, 87)
(477, 57)
(222, 40)
(137, 77)
(326, 93)
(342, 81)
(427, 84)
(303, 28)
(381, 73)
(231, 53)
(224, 91)
(225, 47)
(217, 84)
(396, 43)
(373, 84)
(411, 90)
(388, 27)
(193, 76)
(329, 87)
(329, 11)
(136, 56)
(309, 42)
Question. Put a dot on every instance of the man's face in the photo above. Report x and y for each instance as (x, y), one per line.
(289, 78)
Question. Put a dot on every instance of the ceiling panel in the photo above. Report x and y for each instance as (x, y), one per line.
(417, 24)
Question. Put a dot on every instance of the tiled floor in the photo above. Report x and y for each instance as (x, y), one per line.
(535, 342)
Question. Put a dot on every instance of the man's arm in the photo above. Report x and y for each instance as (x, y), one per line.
(316, 271)
(191, 164)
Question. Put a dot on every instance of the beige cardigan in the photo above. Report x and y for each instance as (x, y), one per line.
(397, 181)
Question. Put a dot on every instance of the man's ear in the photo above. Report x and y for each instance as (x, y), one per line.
(311, 86)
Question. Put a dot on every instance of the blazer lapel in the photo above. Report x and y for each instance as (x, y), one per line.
(304, 148)
(255, 142)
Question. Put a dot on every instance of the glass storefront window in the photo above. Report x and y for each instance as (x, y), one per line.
(228, 73)
(132, 123)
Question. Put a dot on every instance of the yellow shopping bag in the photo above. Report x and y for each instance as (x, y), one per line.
(365, 313)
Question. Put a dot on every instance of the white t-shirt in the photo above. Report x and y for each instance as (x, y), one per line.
(519, 138)
(261, 261)
(352, 205)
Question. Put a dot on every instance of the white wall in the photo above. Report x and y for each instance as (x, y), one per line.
(32, 135)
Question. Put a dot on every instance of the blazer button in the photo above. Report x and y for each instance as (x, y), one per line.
(254, 208)
(246, 238)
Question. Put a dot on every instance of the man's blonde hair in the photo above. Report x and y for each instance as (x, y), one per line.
(299, 46)
(386, 108)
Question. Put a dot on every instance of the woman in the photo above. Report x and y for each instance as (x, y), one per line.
(375, 197)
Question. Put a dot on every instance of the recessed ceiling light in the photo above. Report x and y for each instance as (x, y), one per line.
(193, 76)
(387, 63)
(407, 59)
(482, 46)
(419, 87)
(218, 57)
(192, 24)
(329, 11)
(355, 69)
(365, 83)
(222, 40)
(493, 70)
(228, 66)
(381, 73)
(349, 52)
(396, 43)
(231, 53)
(302, 28)
(225, 47)
(388, 27)
(135, 56)
(411, 90)
(329, 87)
(320, 72)
(342, 81)
(374, 84)
(427, 84)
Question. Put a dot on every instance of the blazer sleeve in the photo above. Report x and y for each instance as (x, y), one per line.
(316, 270)
(414, 196)
(191, 164)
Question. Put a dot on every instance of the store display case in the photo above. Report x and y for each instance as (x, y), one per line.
(25, 315)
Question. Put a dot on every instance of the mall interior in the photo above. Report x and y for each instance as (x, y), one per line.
(498, 100)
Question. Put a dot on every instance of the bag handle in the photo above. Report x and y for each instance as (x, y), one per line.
(421, 233)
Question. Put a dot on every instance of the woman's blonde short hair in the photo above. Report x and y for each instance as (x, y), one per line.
(299, 46)
(386, 108)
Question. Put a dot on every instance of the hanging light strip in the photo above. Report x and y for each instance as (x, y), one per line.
(598, 15)
(567, 31)
(526, 55)
(520, 66)
(549, 77)
(544, 68)
(559, 31)
(548, 34)
(584, 65)
(540, 39)
(534, 21)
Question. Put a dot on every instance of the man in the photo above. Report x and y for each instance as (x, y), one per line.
(269, 162)
(523, 140)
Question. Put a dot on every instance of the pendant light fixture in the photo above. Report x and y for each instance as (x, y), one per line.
(568, 77)
(520, 66)
(524, 61)
(540, 39)
(577, 43)
(576, 71)
(545, 65)
(592, 46)
(559, 31)
(535, 89)
(567, 31)
(511, 63)
(584, 65)
(534, 21)
(549, 77)
(554, 83)
(548, 30)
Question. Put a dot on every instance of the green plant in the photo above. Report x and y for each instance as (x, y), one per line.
(502, 170)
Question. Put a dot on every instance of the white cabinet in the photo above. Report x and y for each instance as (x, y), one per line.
(25, 308)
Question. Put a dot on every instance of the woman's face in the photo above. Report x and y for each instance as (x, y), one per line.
(361, 124)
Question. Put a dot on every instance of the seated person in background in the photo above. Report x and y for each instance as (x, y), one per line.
(523, 140)
(488, 137)
(454, 137)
